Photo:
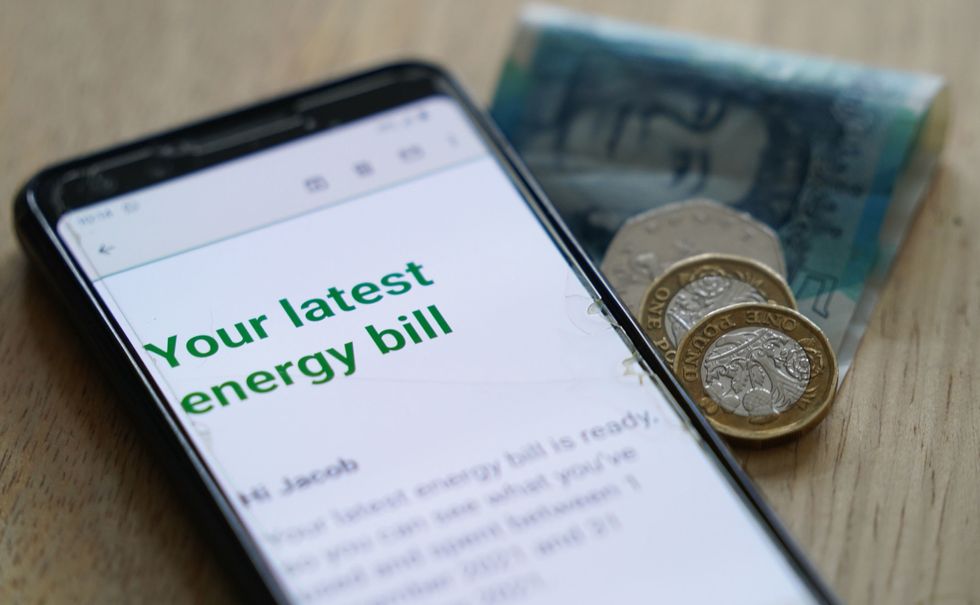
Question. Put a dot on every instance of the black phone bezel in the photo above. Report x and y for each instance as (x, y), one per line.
(210, 141)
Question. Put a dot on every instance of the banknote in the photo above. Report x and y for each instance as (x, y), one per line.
(615, 120)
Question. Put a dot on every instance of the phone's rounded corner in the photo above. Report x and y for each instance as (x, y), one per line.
(33, 191)
(418, 67)
(22, 206)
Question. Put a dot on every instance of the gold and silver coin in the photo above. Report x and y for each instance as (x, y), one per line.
(692, 288)
(649, 243)
(760, 373)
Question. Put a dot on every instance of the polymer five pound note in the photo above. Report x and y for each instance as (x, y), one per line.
(616, 120)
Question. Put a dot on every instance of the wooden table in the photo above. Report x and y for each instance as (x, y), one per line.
(884, 496)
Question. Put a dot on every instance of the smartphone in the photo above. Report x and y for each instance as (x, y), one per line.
(380, 369)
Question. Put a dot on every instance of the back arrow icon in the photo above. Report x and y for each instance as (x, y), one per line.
(106, 249)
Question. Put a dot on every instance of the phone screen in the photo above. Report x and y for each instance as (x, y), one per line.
(395, 374)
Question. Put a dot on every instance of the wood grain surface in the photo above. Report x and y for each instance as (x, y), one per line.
(884, 496)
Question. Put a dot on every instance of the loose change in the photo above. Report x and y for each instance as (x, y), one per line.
(760, 371)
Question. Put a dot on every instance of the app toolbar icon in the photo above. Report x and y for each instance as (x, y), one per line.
(363, 168)
(315, 183)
